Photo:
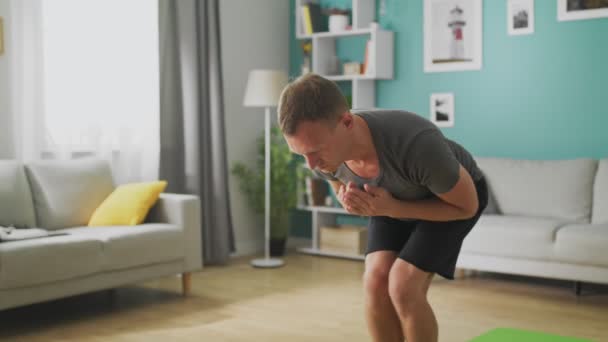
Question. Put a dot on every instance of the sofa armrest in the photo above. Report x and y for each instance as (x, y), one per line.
(184, 211)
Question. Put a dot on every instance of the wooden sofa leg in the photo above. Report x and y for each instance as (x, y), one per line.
(578, 287)
(186, 281)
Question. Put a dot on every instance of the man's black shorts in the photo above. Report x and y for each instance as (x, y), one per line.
(431, 246)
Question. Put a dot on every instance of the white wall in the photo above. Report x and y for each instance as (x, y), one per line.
(255, 34)
(6, 123)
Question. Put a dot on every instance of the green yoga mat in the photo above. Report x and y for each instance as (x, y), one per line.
(514, 335)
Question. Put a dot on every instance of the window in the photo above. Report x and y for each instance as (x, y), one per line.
(101, 72)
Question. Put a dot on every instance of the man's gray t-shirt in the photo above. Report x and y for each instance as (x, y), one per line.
(416, 160)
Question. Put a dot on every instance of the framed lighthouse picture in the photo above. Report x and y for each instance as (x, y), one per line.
(452, 35)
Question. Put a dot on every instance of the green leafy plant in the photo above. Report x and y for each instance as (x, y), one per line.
(284, 179)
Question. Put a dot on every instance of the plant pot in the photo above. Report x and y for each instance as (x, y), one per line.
(338, 22)
(277, 246)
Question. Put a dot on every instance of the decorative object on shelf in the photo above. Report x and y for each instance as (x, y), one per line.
(306, 50)
(344, 239)
(352, 68)
(263, 90)
(520, 17)
(581, 9)
(338, 19)
(316, 191)
(442, 109)
(369, 62)
(452, 35)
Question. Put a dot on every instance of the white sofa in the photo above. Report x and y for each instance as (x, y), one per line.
(62, 196)
(544, 218)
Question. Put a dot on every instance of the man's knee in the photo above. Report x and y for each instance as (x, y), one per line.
(406, 285)
(376, 276)
(376, 282)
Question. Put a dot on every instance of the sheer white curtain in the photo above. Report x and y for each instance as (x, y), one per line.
(95, 88)
(26, 89)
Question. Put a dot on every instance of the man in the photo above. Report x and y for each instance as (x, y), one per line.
(422, 192)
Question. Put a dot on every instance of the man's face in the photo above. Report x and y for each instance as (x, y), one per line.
(324, 147)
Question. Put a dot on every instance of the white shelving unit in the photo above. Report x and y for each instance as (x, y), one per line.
(324, 48)
(363, 88)
(324, 216)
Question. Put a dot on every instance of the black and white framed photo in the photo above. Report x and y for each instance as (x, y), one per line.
(520, 17)
(442, 109)
(581, 9)
(452, 35)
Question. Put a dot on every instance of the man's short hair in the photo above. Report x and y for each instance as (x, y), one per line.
(310, 98)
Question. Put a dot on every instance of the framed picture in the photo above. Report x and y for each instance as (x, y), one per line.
(520, 17)
(452, 35)
(581, 9)
(442, 109)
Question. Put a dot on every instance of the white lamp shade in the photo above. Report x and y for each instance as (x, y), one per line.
(264, 88)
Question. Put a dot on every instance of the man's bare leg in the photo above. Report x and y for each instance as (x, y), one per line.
(382, 319)
(408, 287)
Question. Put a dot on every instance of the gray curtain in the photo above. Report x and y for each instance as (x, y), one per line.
(192, 133)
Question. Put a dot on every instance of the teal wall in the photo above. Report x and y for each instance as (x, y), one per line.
(539, 96)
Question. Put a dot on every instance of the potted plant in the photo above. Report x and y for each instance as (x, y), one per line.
(284, 176)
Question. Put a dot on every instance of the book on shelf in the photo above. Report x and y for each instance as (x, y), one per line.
(312, 18)
(306, 21)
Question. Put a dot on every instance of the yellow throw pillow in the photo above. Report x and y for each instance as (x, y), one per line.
(127, 205)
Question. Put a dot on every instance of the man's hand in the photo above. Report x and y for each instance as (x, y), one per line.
(374, 201)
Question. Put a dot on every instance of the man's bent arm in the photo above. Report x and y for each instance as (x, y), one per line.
(459, 203)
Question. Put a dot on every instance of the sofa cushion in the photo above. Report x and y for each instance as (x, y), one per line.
(128, 204)
(129, 246)
(558, 189)
(16, 205)
(44, 260)
(583, 243)
(67, 192)
(512, 236)
(599, 214)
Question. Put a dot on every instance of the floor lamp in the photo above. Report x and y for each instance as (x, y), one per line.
(263, 90)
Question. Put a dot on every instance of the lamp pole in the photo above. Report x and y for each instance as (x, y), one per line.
(267, 262)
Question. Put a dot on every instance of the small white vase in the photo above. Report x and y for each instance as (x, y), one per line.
(338, 22)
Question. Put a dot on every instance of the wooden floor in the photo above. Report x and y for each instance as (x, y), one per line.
(310, 299)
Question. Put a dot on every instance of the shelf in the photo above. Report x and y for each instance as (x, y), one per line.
(313, 251)
(379, 52)
(348, 33)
